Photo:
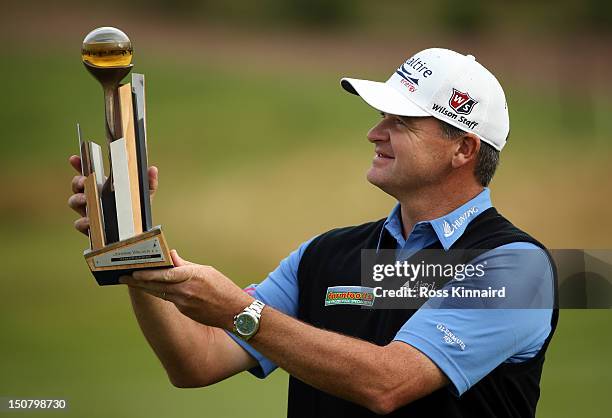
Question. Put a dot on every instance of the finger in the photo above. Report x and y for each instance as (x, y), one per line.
(161, 295)
(156, 275)
(153, 179)
(78, 203)
(75, 162)
(78, 184)
(177, 260)
(145, 285)
(149, 275)
(171, 275)
(82, 225)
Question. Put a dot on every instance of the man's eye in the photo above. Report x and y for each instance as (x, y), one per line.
(400, 122)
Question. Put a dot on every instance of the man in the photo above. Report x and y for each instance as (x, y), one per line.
(444, 121)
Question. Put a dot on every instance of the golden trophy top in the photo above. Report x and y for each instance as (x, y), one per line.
(107, 47)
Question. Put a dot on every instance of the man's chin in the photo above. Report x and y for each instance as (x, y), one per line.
(379, 180)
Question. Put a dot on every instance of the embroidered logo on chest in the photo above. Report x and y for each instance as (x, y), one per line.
(349, 295)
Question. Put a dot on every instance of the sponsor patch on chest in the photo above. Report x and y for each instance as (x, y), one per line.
(349, 295)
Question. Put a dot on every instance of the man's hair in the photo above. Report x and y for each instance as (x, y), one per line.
(487, 159)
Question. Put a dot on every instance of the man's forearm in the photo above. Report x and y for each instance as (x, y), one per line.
(179, 342)
(379, 378)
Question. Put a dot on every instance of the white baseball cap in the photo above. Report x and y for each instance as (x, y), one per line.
(449, 86)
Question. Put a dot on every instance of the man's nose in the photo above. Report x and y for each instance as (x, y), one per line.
(378, 132)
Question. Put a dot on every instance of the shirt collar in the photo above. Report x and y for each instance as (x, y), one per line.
(447, 228)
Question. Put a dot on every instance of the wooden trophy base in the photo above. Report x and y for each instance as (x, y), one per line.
(143, 251)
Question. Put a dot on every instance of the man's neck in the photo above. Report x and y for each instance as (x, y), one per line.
(432, 203)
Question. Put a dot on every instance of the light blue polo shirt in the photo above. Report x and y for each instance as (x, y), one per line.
(466, 344)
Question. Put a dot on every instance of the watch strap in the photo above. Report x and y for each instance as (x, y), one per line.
(256, 307)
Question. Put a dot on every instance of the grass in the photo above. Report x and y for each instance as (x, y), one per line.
(252, 163)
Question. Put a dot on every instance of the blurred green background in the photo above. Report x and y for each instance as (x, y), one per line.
(259, 149)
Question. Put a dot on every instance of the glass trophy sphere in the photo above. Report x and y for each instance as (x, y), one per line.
(107, 47)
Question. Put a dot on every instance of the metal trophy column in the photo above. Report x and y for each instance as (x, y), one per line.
(107, 55)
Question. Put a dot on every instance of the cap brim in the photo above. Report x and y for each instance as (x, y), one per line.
(382, 97)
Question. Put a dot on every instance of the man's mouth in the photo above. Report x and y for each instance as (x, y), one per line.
(383, 155)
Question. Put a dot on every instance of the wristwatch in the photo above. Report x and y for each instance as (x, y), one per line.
(246, 323)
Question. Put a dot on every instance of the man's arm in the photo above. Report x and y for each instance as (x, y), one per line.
(511, 329)
(193, 354)
(379, 378)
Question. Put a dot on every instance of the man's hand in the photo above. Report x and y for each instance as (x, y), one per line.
(199, 292)
(77, 201)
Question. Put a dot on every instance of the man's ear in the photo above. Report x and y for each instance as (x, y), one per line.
(467, 149)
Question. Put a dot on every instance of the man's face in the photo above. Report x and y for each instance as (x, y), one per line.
(410, 153)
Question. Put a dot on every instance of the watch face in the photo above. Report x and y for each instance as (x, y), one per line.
(245, 324)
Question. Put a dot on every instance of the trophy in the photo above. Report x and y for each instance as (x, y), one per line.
(122, 238)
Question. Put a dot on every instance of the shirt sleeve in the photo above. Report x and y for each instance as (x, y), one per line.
(280, 291)
(467, 342)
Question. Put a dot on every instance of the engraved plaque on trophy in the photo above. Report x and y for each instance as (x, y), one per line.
(122, 238)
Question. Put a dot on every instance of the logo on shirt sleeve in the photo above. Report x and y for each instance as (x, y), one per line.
(450, 338)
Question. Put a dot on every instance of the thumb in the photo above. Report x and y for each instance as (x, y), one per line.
(177, 260)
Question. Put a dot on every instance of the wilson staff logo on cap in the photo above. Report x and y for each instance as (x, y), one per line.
(449, 86)
(461, 102)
